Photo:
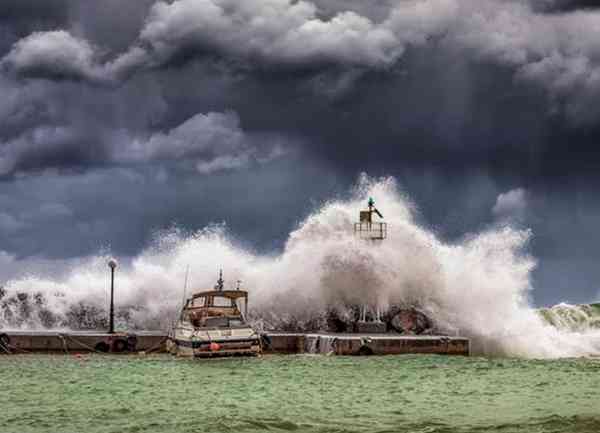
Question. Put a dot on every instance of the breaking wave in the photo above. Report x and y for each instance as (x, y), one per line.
(478, 287)
(573, 318)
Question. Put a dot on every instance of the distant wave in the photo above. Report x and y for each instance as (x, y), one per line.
(573, 318)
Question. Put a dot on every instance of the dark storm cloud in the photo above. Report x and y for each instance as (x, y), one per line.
(566, 5)
(31, 15)
(68, 215)
(193, 111)
(210, 142)
(110, 24)
(547, 50)
(65, 125)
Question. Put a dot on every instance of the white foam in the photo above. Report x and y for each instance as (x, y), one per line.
(479, 286)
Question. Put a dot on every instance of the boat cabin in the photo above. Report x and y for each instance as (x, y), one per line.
(216, 309)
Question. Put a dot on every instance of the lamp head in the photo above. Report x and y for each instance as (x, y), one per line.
(112, 263)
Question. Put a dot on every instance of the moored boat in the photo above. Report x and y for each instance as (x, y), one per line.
(212, 324)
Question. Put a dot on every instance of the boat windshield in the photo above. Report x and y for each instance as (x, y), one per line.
(221, 302)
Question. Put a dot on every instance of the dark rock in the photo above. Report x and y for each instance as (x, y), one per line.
(335, 323)
(408, 320)
(82, 316)
(39, 300)
(401, 319)
(47, 318)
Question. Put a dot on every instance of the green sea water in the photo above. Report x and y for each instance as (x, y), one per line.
(96, 393)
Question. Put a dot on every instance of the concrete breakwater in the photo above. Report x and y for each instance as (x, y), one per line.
(71, 341)
(281, 343)
(365, 344)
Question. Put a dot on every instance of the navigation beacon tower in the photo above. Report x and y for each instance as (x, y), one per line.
(375, 232)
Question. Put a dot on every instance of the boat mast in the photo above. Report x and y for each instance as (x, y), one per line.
(220, 282)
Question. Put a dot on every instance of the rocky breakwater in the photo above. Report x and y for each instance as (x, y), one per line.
(399, 319)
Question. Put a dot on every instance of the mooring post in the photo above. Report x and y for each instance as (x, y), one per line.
(112, 264)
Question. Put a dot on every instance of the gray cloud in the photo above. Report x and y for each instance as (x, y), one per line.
(54, 211)
(48, 146)
(46, 124)
(214, 141)
(277, 31)
(9, 223)
(546, 49)
(55, 55)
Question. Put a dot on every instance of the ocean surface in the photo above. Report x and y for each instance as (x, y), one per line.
(304, 393)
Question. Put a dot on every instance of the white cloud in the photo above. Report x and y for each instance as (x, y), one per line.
(511, 205)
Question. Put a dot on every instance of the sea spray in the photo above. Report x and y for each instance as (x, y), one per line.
(478, 287)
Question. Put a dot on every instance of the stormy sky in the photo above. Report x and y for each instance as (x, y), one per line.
(118, 119)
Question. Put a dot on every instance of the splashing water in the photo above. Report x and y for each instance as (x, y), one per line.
(574, 318)
(478, 287)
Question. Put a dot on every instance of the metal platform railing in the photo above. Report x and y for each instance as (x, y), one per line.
(370, 230)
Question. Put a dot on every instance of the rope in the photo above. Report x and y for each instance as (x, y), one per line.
(5, 348)
(265, 341)
(150, 350)
(85, 346)
(10, 346)
(64, 343)
(4, 342)
(156, 346)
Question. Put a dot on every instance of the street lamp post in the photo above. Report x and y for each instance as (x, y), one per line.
(112, 264)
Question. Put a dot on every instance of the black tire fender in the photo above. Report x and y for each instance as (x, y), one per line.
(365, 351)
(266, 341)
(102, 347)
(119, 346)
(132, 341)
(5, 340)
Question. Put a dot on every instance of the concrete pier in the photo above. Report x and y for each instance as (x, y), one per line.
(365, 344)
(70, 341)
(273, 343)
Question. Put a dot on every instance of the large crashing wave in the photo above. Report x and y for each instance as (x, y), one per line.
(478, 287)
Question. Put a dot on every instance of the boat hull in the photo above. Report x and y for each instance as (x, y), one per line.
(215, 348)
(210, 343)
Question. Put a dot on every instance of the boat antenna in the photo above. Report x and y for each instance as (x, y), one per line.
(187, 273)
(238, 284)
(220, 281)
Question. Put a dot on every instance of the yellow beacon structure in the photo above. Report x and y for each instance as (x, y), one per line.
(371, 231)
